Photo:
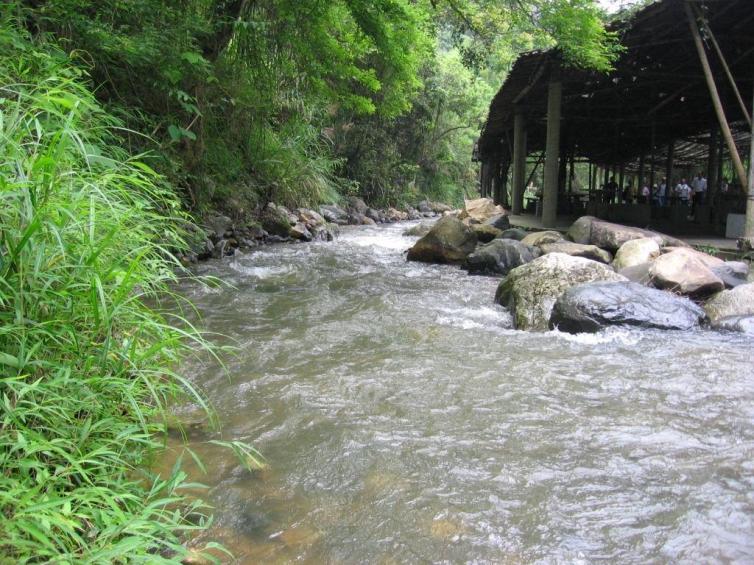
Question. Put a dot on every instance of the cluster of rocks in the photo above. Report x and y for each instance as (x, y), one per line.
(598, 274)
(358, 213)
(220, 236)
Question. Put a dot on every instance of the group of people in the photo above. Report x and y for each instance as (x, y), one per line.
(661, 194)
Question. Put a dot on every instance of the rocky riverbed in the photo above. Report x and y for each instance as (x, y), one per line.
(598, 274)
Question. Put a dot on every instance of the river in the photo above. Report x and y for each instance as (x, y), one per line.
(403, 421)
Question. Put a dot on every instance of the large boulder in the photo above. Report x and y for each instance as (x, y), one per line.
(276, 220)
(732, 273)
(499, 221)
(709, 261)
(499, 256)
(485, 232)
(581, 230)
(448, 241)
(638, 273)
(610, 236)
(440, 208)
(334, 214)
(635, 252)
(593, 306)
(218, 225)
(301, 232)
(738, 301)
(682, 271)
(357, 205)
(741, 324)
(577, 250)
(541, 237)
(394, 215)
(514, 233)
(480, 210)
(530, 291)
(310, 218)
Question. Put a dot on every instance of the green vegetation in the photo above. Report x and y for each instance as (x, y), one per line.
(85, 367)
(229, 104)
(245, 102)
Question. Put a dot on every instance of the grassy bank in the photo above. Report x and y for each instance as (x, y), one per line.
(85, 367)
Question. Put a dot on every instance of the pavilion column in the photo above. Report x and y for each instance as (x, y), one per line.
(552, 154)
(746, 243)
(519, 161)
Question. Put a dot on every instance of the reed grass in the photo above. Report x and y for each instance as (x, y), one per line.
(86, 368)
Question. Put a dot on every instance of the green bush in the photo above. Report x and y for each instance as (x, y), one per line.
(86, 369)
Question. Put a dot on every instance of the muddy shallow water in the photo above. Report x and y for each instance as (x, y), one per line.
(404, 421)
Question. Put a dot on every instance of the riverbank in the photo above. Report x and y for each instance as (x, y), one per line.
(218, 235)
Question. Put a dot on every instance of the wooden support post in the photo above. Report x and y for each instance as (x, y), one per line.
(519, 161)
(747, 242)
(570, 174)
(552, 148)
(726, 68)
(716, 103)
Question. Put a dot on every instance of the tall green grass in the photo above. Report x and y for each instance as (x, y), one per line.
(86, 369)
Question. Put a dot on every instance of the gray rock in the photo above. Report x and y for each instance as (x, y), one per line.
(741, 324)
(636, 252)
(440, 208)
(419, 229)
(530, 291)
(732, 273)
(218, 225)
(276, 220)
(485, 233)
(413, 213)
(638, 273)
(310, 218)
(334, 214)
(577, 250)
(738, 301)
(593, 306)
(448, 241)
(499, 221)
(499, 257)
(356, 219)
(425, 207)
(682, 271)
(300, 232)
(541, 237)
(514, 233)
(375, 215)
(357, 205)
(581, 230)
(394, 215)
(610, 236)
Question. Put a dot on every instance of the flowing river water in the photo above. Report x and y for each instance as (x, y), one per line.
(403, 421)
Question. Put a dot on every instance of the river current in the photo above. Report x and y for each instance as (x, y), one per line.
(403, 421)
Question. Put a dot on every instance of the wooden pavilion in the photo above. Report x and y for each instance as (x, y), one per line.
(680, 96)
